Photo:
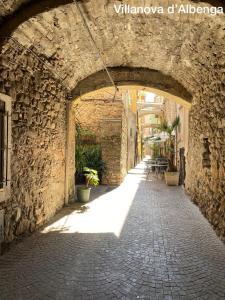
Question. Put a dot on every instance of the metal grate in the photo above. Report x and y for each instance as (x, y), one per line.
(2, 141)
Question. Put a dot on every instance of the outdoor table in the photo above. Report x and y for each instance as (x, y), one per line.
(157, 167)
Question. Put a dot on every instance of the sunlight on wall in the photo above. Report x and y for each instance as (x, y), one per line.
(150, 97)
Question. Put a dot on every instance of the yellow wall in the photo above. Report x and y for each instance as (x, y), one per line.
(133, 94)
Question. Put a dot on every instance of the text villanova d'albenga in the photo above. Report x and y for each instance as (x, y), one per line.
(180, 9)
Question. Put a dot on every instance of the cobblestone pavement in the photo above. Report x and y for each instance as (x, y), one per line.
(143, 240)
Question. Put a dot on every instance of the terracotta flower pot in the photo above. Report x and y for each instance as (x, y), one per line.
(172, 178)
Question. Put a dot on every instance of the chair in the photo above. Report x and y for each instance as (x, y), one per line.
(162, 165)
(150, 165)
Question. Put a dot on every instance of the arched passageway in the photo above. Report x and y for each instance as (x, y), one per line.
(119, 123)
(51, 54)
(151, 80)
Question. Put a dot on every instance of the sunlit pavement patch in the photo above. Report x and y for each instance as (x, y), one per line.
(142, 240)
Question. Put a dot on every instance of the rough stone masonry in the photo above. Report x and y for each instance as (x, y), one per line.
(106, 119)
(38, 142)
(190, 49)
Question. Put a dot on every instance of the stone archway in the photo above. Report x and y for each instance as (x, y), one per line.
(105, 112)
(137, 77)
(17, 12)
(170, 52)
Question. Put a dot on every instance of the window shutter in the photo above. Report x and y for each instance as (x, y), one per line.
(6, 147)
(2, 142)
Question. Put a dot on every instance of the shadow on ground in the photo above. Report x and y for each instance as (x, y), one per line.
(141, 240)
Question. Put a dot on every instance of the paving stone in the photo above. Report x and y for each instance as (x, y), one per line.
(142, 240)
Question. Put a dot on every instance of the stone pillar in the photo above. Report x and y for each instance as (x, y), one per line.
(70, 154)
(124, 145)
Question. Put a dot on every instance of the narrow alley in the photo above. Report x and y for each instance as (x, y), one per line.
(141, 240)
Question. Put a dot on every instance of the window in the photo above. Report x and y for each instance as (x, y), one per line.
(5, 146)
(206, 155)
(2, 142)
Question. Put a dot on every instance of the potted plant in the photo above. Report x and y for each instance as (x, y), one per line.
(171, 175)
(91, 178)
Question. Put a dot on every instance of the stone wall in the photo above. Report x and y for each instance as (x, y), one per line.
(131, 131)
(124, 151)
(105, 118)
(205, 180)
(38, 142)
(111, 142)
(182, 132)
(180, 49)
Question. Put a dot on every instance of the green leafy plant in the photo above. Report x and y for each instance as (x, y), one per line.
(155, 149)
(81, 161)
(91, 177)
(88, 156)
(170, 145)
(88, 153)
(94, 160)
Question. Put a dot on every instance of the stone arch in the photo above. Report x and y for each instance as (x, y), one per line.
(98, 88)
(68, 49)
(175, 55)
(20, 11)
(151, 80)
